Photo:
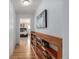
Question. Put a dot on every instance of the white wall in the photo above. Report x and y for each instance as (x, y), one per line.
(57, 21)
(17, 29)
(65, 24)
(12, 33)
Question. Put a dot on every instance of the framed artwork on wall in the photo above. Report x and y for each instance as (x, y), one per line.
(41, 21)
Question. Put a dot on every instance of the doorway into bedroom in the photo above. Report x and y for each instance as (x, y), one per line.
(25, 24)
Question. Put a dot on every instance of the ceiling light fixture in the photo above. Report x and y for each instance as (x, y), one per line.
(26, 2)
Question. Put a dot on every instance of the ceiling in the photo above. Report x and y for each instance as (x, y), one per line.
(20, 8)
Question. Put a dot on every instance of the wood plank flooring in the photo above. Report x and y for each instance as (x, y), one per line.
(23, 51)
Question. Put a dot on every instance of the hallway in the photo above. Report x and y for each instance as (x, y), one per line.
(46, 21)
(23, 51)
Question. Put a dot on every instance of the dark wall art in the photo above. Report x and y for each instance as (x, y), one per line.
(41, 21)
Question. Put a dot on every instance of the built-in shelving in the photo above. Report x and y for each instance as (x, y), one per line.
(41, 46)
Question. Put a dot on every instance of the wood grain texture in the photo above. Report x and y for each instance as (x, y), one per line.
(23, 51)
(56, 41)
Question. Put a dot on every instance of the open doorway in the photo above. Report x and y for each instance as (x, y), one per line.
(25, 27)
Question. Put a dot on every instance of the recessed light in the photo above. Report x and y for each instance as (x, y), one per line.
(26, 2)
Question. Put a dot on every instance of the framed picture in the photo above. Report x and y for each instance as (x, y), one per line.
(41, 21)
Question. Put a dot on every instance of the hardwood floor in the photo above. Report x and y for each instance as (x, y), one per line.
(23, 51)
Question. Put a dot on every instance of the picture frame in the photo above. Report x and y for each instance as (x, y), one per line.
(41, 21)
